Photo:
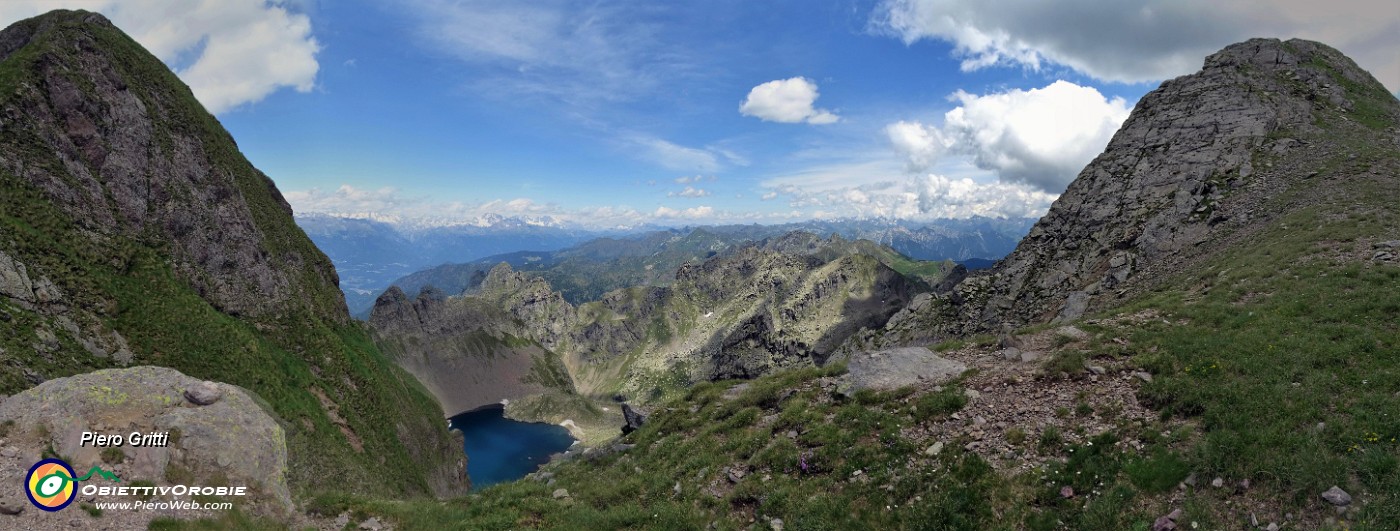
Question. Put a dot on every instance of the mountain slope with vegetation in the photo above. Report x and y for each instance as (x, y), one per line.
(132, 231)
(585, 272)
(369, 254)
(785, 302)
(1225, 278)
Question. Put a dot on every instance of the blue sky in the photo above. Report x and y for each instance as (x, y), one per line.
(618, 112)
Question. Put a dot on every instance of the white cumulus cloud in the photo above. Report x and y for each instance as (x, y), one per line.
(922, 145)
(942, 197)
(700, 212)
(242, 50)
(347, 199)
(1140, 41)
(786, 101)
(881, 189)
(1041, 137)
(394, 206)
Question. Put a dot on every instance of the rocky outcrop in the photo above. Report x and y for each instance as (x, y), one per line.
(530, 300)
(632, 418)
(775, 304)
(124, 150)
(230, 441)
(1203, 159)
(16, 285)
(885, 370)
(467, 351)
(132, 231)
(41, 296)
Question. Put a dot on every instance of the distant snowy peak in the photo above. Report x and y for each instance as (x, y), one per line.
(417, 224)
(369, 216)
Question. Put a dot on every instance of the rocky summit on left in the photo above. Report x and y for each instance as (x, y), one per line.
(153, 282)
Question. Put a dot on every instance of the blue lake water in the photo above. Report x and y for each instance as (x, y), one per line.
(500, 449)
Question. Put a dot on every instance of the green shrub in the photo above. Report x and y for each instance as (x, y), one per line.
(1068, 363)
(1050, 441)
(1160, 471)
(113, 455)
(939, 404)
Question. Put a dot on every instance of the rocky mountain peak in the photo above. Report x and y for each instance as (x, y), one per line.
(1202, 159)
(133, 231)
(118, 143)
(392, 295)
(502, 278)
(1274, 55)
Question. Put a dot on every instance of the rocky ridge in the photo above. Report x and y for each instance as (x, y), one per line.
(736, 315)
(586, 272)
(132, 231)
(123, 150)
(466, 351)
(1202, 161)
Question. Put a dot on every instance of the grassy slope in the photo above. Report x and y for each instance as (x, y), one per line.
(1294, 326)
(807, 483)
(130, 284)
(1328, 325)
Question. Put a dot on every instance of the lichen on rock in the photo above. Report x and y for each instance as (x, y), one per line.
(231, 441)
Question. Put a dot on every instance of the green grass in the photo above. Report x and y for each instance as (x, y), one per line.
(1100, 493)
(808, 481)
(1159, 472)
(113, 455)
(231, 519)
(1069, 363)
(1050, 441)
(1260, 375)
(1292, 331)
(938, 404)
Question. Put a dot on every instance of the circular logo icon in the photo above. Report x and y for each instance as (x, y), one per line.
(50, 484)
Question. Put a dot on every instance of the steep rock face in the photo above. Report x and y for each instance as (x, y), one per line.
(468, 352)
(586, 272)
(133, 231)
(119, 145)
(529, 300)
(1202, 159)
(740, 314)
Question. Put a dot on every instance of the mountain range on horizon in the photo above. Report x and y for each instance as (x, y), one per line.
(371, 254)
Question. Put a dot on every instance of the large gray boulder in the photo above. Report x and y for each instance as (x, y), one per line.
(889, 369)
(633, 419)
(232, 441)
